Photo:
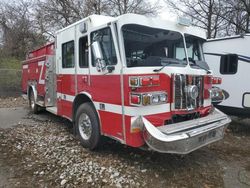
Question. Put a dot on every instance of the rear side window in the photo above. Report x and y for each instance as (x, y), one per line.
(83, 52)
(68, 57)
(229, 64)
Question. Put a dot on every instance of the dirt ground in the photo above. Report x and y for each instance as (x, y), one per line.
(40, 150)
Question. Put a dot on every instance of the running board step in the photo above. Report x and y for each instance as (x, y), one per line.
(52, 110)
(40, 103)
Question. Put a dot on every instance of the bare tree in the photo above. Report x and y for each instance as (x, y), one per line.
(237, 15)
(204, 13)
(55, 14)
(25, 24)
(18, 34)
(134, 6)
(217, 17)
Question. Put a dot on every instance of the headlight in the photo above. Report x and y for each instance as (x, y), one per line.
(155, 99)
(144, 99)
(163, 97)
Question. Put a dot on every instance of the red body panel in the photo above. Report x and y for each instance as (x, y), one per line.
(33, 72)
(45, 50)
(104, 89)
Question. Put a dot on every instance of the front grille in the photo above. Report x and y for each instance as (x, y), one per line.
(181, 95)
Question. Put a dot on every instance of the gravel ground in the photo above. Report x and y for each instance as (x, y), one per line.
(13, 102)
(42, 152)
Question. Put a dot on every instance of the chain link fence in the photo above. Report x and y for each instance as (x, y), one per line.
(10, 82)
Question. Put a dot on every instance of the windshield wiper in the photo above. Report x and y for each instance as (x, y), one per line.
(158, 70)
(165, 63)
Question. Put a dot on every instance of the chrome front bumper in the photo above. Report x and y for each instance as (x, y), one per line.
(185, 137)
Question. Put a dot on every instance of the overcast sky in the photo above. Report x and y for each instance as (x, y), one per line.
(165, 13)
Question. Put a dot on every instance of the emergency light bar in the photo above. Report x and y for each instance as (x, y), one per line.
(184, 21)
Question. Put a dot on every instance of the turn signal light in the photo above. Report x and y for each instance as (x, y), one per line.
(146, 99)
(217, 80)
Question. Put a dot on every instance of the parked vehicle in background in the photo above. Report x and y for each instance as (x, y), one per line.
(138, 80)
(229, 58)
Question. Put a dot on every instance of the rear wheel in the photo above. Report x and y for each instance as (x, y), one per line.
(87, 126)
(32, 103)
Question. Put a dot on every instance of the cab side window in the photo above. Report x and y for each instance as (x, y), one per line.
(68, 55)
(83, 52)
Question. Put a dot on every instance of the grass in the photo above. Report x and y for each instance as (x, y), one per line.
(10, 63)
(10, 74)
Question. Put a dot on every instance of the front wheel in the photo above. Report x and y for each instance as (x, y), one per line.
(87, 126)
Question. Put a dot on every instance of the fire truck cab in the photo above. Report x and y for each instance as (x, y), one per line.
(141, 81)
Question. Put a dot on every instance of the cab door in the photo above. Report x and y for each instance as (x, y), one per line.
(106, 83)
(82, 71)
(66, 82)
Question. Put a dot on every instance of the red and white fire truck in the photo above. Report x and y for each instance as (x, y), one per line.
(141, 81)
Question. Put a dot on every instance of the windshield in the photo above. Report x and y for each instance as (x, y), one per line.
(194, 49)
(145, 46)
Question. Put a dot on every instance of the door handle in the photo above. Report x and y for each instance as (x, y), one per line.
(85, 79)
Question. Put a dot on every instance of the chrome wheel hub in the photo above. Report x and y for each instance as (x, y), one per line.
(32, 104)
(84, 126)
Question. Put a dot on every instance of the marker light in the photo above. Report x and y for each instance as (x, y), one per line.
(133, 81)
(216, 80)
(135, 99)
(155, 80)
(144, 81)
(208, 80)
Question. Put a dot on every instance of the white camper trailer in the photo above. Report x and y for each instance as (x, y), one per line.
(229, 58)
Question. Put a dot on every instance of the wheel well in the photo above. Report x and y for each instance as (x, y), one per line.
(80, 99)
(29, 91)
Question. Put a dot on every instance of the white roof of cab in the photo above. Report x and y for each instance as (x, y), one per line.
(95, 20)
(98, 20)
(229, 37)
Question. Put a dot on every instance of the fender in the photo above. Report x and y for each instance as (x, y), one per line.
(87, 94)
(81, 98)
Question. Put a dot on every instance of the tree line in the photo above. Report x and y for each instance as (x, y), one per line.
(25, 25)
(217, 17)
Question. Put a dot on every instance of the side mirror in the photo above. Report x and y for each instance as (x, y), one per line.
(98, 56)
(96, 49)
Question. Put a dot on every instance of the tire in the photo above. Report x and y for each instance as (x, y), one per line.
(32, 103)
(87, 126)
